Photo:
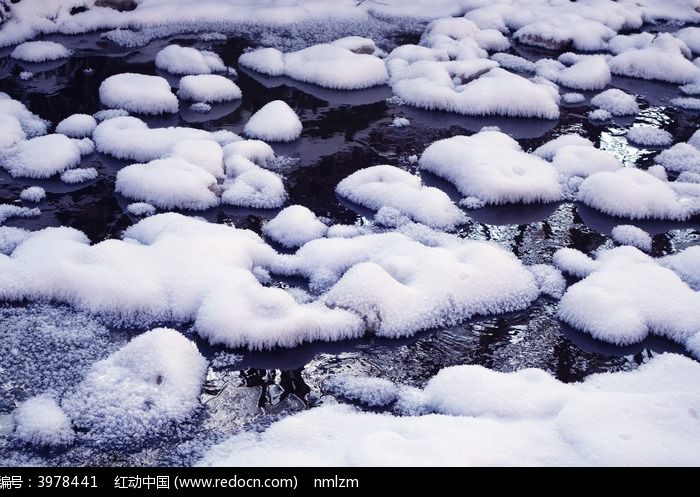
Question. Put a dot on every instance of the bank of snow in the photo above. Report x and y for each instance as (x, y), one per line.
(625, 295)
(171, 267)
(644, 417)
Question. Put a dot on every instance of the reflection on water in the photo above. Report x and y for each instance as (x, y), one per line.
(615, 142)
(350, 97)
(517, 127)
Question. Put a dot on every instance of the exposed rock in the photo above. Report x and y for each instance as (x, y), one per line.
(120, 5)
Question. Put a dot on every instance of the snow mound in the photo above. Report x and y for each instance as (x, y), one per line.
(139, 390)
(649, 136)
(179, 60)
(209, 88)
(40, 421)
(472, 87)
(276, 121)
(127, 137)
(293, 226)
(40, 51)
(662, 59)
(140, 209)
(79, 175)
(565, 31)
(629, 295)
(400, 286)
(583, 73)
(627, 234)
(636, 194)
(549, 149)
(12, 113)
(616, 102)
(330, 65)
(33, 194)
(138, 93)
(7, 211)
(257, 188)
(387, 186)
(205, 153)
(77, 126)
(41, 157)
(492, 167)
(549, 280)
(168, 184)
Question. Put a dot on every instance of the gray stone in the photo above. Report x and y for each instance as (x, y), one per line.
(120, 5)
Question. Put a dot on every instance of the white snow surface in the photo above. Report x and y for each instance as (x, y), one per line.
(256, 151)
(255, 187)
(127, 137)
(366, 390)
(627, 234)
(41, 157)
(210, 88)
(151, 382)
(172, 267)
(41, 421)
(8, 211)
(649, 136)
(691, 37)
(549, 149)
(583, 73)
(599, 115)
(11, 132)
(629, 295)
(388, 186)
(33, 194)
(573, 98)
(564, 31)
(205, 153)
(686, 264)
(140, 209)
(549, 279)
(293, 226)
(616, 102)
(399, 285)
(638, 418)
(662, 59)
(168, 183)
(492, 167)
(40, 51)
(275, 121)
(79, 175)
(169, 267)
(35, 17)
(330, 65)
(77, 126)
(138, 93)
(472, 87)
(179, 60)
(636, 194)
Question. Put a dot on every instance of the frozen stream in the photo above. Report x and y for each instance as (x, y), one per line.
(50, 347)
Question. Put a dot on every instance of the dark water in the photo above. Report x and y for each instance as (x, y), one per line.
(343, 132)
